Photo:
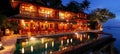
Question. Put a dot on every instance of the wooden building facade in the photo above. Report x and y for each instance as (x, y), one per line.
(36, 19)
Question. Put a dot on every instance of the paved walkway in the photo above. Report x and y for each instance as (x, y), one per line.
(8, 44)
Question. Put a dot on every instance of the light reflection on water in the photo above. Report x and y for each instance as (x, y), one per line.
(51, 44)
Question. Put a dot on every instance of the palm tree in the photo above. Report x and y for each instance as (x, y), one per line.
(101, 15)
(84, 5)
(78, 7)
(5, 23)
(51, 3)
(55, 3)
(3, 19)
(73, 6)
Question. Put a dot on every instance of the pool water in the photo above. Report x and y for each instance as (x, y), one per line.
(48, 45)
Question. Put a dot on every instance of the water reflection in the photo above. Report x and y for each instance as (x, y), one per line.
(51, 44)
(46, 45)
(67, 41)
(31, 48)
(61, 42)
(71, 40)
(23, 51)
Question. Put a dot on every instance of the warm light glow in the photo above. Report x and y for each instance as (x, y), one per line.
(23, 22)
(7, 31)
(31, 20)
(23, 51)
(71, 40)
(42, 40)
(27, 42)
(12, 0)
(101, 28)
(23, 44)
(67, 20)
(46, 22)
(46, 45)
(88, 37)
(67, 41)
(23, 6)
(52, 43)
(31, 48)
(61, 42)
(84, 35)
(77, 35)
(50, 52)
(61, 15)
(48, 12)
(0, 44)
(80, 38)
(31, 7)
(32, 38)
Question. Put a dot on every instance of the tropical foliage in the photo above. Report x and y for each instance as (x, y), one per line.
(78, 7)
(51, 3)
(5, 23)
(84, 5)
(3, 18)
(101, 15)
(71, 6)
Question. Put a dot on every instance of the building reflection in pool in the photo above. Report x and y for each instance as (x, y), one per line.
(51, 44)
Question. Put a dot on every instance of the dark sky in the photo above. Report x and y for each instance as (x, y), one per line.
(112, 5)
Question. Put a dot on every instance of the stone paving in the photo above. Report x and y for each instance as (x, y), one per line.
(8, 44)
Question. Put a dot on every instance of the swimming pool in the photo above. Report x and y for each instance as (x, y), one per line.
(48, 45)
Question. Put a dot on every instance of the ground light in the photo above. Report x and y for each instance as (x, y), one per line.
(1, 47)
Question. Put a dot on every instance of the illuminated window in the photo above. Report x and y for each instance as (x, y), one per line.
(28, 9)
(46, 12)
(61, 15)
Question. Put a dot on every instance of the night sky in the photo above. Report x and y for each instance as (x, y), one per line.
(112, 5)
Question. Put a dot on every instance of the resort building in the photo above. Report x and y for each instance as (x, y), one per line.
(36, 19)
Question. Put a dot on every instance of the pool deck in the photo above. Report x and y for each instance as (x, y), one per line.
(10, 41)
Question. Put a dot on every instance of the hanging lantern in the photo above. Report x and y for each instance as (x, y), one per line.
(14, 4)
